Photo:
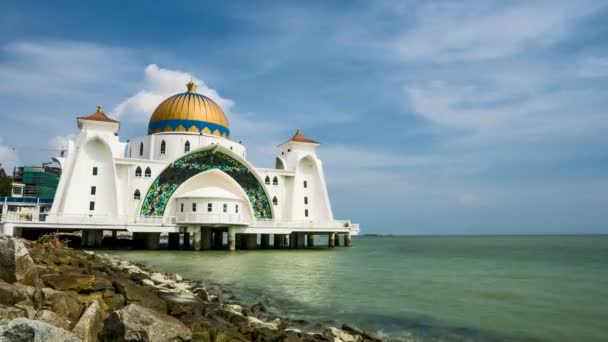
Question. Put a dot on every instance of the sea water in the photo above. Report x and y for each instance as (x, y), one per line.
(498, 288)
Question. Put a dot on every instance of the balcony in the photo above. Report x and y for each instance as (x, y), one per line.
(212, 219)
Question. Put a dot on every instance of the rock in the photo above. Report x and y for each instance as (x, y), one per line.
(178, 305)
(113, 300)
(63, 303)
(52, 318)
(11, 312)
(136, 323)
(70, 281)
(139, 276)
(27, 307)
(341, 335)
(356, 331)
(16, 264)
(11, 294)
(147, 282)
(90, 324)
(159, 278)
(138, 294)
(202, 293)
(26, 330)
(103, 283)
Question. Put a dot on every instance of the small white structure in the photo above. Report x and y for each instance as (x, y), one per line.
(187, 176)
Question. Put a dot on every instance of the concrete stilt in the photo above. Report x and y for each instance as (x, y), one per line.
(196, 239)
(186, 242)
(311, 240)
(251, 241)
(151, 240)
(231, 239)
(301, 240)
(331, 240)
(205, 238)
(115, 235)
(91, 238)
(293, 240)
(218, 239)
(285, 241)
(265, 241)
(173, 242)
(279, 241)
(348, 240)
(337, 243)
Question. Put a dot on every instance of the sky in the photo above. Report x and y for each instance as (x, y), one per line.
(435, 117)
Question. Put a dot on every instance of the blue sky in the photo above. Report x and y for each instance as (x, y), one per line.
(468, 117)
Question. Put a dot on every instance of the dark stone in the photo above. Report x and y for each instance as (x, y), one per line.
(16, 264)
(368, 336)
(26, 330)
(136, 323)
(141, 295)
(70, 281)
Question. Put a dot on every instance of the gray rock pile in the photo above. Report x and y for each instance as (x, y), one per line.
(49, 292)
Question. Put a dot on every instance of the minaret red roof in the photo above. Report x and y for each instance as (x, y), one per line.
(99, 115)
(299, 137)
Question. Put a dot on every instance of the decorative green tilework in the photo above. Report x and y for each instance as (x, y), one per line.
(183, 169)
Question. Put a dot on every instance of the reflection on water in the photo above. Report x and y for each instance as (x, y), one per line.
(481, 288)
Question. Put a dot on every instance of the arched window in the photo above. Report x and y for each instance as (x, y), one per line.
(187, 147)
(141, 149)
(148, 172)
(275, 201)
(275, 181)
(138, 172)
(137, 195)
(267, 180)
(163, 147)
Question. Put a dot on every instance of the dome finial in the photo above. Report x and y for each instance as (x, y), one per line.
(191, 86)
(99, 109)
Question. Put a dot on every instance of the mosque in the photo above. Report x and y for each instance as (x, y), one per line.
(188, 179)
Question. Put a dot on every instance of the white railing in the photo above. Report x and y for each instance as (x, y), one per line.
(206, 218)
(302, 224)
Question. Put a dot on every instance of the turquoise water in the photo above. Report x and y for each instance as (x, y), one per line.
(547, 288)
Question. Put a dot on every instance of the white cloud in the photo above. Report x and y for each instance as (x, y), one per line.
(160, 84)
(473, 30)
(59, 68)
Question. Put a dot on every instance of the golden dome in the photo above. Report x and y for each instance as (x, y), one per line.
(189, 112)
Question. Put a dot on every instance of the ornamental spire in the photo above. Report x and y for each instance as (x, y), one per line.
(99, 109)
(191, 86)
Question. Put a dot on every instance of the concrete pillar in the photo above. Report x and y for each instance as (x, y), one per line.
(331, 240)
(218, 239)
(115, 235)
(9, 229)
(311, 240)
(285, 241)
(348, 240)
(173, 242)
(251, 241)
(151, 240)
(196, 239)
(279, 241)
(301, 240)
(206, 238)
(337, 243)
(186, 243)
(91, 238)
(265, 241)
(231, 239)
(293, 240)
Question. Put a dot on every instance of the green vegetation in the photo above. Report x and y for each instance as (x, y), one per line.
(5, 184)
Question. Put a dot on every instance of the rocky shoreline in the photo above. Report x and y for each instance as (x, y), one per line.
(49, 292)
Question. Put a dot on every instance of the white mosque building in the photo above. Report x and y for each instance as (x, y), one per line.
(186, 177)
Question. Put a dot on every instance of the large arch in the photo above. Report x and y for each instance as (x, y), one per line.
(194, 163)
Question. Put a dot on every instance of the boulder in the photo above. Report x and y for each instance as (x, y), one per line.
(26, 306)
(70, 281)
(136, 323)
(113, 300)
(10, 294)
(16, 264)
(367, 336)
(90, 324)
(63, 303)
(341, 335)
(178, 305)
(138, 294)
(23, 329)
(52, 318)
(10, 312)
(202, 293)
(147, 282)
